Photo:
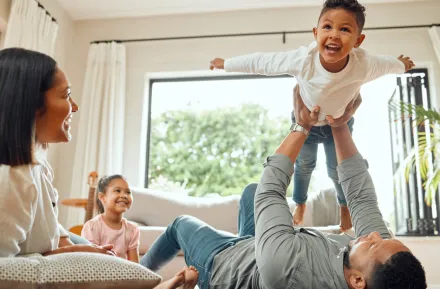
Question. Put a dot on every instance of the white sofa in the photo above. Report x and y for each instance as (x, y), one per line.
(153, 211)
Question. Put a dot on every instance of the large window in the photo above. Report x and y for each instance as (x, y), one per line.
(210, 136)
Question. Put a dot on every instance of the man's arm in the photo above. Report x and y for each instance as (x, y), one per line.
(277, 246)
(357, 185)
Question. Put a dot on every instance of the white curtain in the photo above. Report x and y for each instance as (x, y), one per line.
(99, 141)
(30, 27)
(434, 32)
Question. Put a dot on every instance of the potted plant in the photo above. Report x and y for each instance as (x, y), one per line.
(426, 154)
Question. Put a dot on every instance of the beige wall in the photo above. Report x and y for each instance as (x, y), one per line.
(5, 8)
(427, 250)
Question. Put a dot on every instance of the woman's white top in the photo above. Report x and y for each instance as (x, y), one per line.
(28, 210)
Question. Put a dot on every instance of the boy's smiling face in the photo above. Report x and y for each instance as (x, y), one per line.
(336, 35)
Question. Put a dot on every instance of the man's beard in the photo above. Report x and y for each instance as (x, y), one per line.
(347, 257)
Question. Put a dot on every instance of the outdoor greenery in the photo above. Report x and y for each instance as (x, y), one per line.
(216, 151)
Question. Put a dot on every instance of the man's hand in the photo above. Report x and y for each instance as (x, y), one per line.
(348, 113)
(304, 117)
(409, 64)
(217, 63)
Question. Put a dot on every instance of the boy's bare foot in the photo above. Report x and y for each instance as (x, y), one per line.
(173, 283)
(345, 219)
(298, 214)
(191, 277)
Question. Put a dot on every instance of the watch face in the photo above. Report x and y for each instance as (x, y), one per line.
(292, 127)
(296, 127)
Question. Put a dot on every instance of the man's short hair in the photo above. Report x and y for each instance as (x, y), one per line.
(352, 6)
(402, 271)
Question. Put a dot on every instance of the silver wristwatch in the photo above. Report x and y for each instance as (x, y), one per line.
(297, 127)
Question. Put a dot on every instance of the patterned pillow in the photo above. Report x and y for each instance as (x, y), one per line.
(74, 270)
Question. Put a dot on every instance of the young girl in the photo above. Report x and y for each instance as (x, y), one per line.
(110, 227)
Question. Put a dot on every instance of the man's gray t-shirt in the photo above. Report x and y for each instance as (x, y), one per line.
(282, 257)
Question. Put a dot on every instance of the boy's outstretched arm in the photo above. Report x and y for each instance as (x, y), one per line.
(263, 63)
(380, 65)
(409, 64)
(217, 63)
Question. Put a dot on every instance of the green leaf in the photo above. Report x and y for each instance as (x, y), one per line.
(425, 155)
(432, 186)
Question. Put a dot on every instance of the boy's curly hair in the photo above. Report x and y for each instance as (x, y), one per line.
(352, 6)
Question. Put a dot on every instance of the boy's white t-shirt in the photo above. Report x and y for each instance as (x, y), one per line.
(332, 92)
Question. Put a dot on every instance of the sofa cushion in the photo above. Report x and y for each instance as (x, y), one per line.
(149, 234)
(160, 209)
(153, 208)
(74, 270)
